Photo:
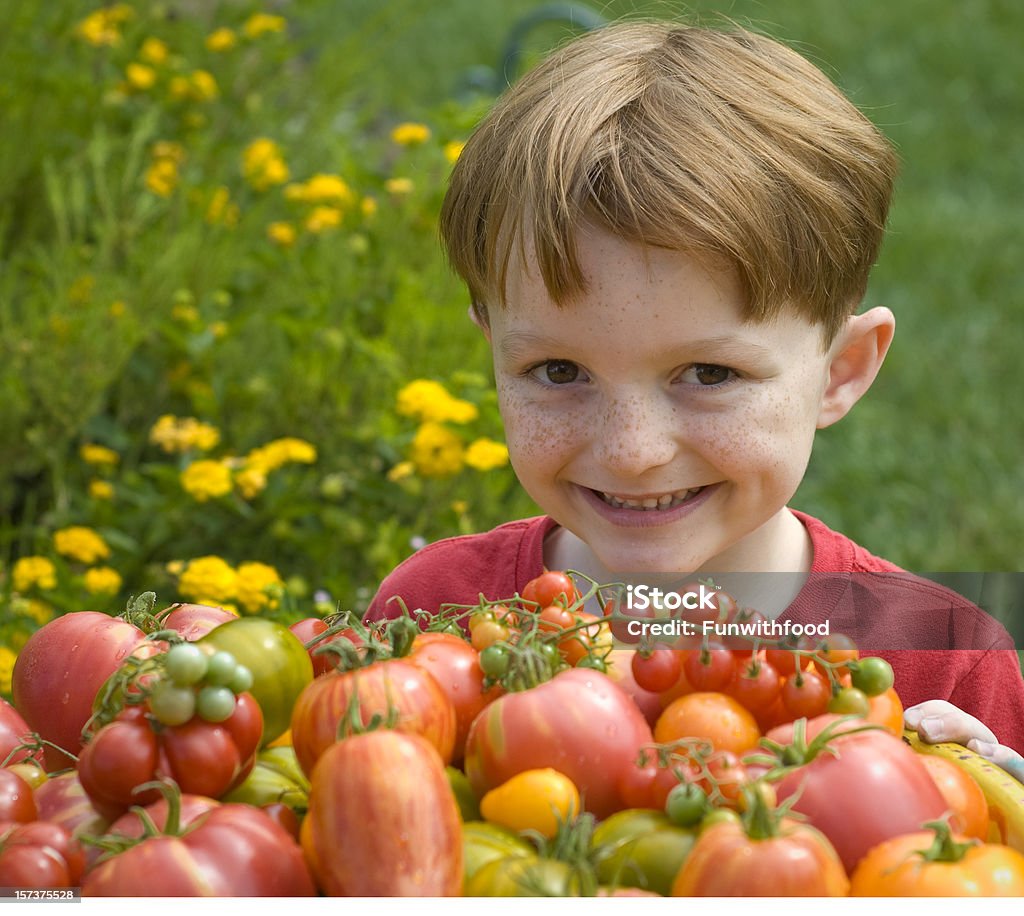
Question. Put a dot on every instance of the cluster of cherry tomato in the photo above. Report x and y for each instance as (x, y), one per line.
(200, 680)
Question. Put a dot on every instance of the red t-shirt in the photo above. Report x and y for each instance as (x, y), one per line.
(939, 644)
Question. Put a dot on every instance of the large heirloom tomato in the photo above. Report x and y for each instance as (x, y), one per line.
(203, 758)
(194, 621)
(382, 820)
(59, 671)
(39, 855)
(278, 661)
(385, 688)
(229, 851)
(860, 787)
(580, 723)
(728, 862)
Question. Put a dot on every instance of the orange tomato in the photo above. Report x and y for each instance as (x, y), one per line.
(716, 717)
(963, 795)
(887, 710)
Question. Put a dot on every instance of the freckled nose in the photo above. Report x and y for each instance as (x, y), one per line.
(636, 436)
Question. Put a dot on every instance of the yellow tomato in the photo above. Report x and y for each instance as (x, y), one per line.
(532, 800)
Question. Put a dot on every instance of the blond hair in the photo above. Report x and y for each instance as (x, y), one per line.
(723, 144)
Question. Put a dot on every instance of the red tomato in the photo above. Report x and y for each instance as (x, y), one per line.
(551, 587)
(194, 621)
(311, 627)
(383, 820)
(455, 665)
(39, 855)
(205, 861)
(13, 731)
(872, 788)
(726, 862)
(396, 685)
(709, 669)
(579, 723)
(755, 684)
(61, 800)
(203, 758)
(658, 670)
(806, 694)
(17, 804)
(59, 671)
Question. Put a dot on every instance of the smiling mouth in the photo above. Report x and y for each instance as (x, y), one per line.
(649, 503)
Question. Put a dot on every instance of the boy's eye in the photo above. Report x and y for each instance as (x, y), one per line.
(558, 372)
(708, 374)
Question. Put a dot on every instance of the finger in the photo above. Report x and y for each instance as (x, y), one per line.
(913, 715)
(958, 727)
(1002, 756)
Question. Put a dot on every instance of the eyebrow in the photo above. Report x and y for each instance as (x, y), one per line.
(514, 345)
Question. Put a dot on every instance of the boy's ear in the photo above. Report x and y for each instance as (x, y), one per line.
(857, 355)
(478, 315)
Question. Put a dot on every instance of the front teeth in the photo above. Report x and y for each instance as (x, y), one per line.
(666, 501)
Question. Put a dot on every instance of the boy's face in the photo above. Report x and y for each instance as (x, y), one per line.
(649, 420)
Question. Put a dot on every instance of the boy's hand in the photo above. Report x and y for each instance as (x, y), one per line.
(938, 720)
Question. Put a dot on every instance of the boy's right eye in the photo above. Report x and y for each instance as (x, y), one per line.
(557, 372)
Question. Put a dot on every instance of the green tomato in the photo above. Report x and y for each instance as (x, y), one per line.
(483, 842)
(523, 876)
(469, 808)
(640, 848)
(276, 777)
(494, 660)
(686, 804)
(719, 816)
(850, 701)
(172, 704)
(186, 664)
(220, 669)
(215, 704)
(279, 663)
(242, 680)
(873, 675)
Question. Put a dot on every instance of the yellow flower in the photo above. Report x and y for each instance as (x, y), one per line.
(174, 434)
(117, 308)
(279, 452)
(80, 543)
(31, 572)
(139, 76)
(259, 587)
(154, 51)
(323, 218)
(184, 313)
(222, 210)
(281, 233)
(206, 479)
(453, 149)
(100, 28)
(486, 454)
(410, 134)
(162, 177)
(436, 451)
(202, 86)
(209, 579)
(399, 186)
(218, 329)
(263, 164)
(102, 580)
(101, 489)
(321, 189)
(262, 23)
(425, 399)
(368, 207)
(251, 481)
(7, 660)
(37, 610)
(221, 40)
(401, 470)
(98, 455)
(460, 506)
(168, 149)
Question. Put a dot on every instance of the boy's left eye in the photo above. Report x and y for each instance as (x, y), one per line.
(708, 374)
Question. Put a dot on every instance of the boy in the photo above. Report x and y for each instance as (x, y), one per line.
(666, 233)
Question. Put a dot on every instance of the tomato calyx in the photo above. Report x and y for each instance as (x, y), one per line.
(782, 758)
(944, 847)
(571, 844)
(113, 844)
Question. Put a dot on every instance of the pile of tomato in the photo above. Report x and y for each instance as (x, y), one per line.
(515, 747)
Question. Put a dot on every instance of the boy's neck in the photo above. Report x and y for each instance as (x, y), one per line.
(782, 547)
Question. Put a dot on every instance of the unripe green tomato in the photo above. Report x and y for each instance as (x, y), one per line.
(215, 704)
(172, 704)
(186, 664)
(221, 669)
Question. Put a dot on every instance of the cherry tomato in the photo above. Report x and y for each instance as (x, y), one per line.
(494, 660)
(873, 675)
(656, 671)
(487, 633)
(755, 685)
(686, 804)
(550, 588)
(806, 694)
(850, 702)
